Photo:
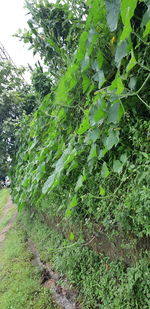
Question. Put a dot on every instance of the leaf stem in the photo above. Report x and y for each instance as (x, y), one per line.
(143, 102)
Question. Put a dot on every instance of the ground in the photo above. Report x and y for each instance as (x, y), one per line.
(25, 281)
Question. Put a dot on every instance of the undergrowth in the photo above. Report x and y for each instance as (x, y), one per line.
(102, 283)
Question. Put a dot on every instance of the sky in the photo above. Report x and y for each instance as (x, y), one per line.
(12, 17)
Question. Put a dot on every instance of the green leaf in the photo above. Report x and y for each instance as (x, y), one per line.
(112, 9)
(26, 182)
(121, 52)
(99, 59)
(85, 83)
(73, 202)
(85, 62)
(127, 12)
(91, 35)
(146, 17)
(102, 153)
(72, 166)
(112, 139)
(117, 166)
(82, 43)
(97, 113)
(100, 78)
(92, 136)
(68, 213)
(147, 29)
(93, 152)
(85, 125)
(132, 83)
(102, 191)
(54, 46)
(60, 165)
(80, 181)
(71, 236)
(132, 62)
(105, 171)
(68, 157)
(124, 158)
(117, 84)
(40, 171)
(49, 183)
(115, 113)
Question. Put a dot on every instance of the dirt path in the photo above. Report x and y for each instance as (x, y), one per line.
(9, 206)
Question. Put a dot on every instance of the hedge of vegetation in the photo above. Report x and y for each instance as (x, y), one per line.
(84, 154)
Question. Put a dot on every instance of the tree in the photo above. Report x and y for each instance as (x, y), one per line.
(16, 98)
(53, 31)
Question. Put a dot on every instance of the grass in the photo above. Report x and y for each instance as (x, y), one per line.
(4, 195)
(19, 280)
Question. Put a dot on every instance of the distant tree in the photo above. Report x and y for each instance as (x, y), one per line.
(41, 82)
(16, 99)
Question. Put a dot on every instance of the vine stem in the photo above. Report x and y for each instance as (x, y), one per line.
(100, 197)
(137, 93)
(148, 76)
(146, 43)
(143, 67)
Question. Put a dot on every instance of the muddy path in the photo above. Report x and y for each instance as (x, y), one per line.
(9, 206)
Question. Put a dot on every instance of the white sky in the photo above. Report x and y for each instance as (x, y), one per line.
(12, 17)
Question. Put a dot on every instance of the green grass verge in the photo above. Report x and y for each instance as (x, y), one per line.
(19, 280)
(4, 195)
(102, 283)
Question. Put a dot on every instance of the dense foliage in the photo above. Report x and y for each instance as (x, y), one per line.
(84, 155)
(84, 143)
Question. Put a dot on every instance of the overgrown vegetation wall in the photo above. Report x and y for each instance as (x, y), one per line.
(84, 155)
